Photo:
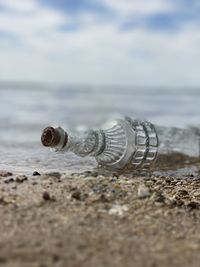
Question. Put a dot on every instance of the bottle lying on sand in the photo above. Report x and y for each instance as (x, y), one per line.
(127, 143)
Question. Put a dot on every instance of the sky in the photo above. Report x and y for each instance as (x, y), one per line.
(101, 42)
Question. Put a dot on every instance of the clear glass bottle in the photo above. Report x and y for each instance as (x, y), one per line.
(127, 143)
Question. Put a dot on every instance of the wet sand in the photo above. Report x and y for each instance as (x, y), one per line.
(91, 219)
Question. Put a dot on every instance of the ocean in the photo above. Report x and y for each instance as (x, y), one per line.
(24, 112)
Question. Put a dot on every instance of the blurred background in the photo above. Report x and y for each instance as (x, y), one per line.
(77, 62)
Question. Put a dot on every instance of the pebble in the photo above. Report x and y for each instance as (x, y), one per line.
(118, 210)
(115, 175)
(158, 197)
(3, 260)
(193, 205)
(46, 196)
(149, 183)
(196, 194)
(34, 182)
(21, 178)
(35, 173)
(143, 191)
(8, 180)
(157, 188)
(163, 177)
(183, 192)
(179, 202)
(14, 187)
(113, 179)
(168, 179)
(104, 198)
(76, 194)
(5, 174)
(159, 182)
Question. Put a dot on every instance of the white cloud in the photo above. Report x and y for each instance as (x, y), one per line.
(97, 53)
(19, 5)
(28, 17)
(139, 7)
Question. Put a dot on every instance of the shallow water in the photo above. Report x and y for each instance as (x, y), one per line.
(25, 112)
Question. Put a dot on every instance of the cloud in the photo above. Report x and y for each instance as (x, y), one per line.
(139, 7)
(27, 17)
(19, 5)
(98, 50)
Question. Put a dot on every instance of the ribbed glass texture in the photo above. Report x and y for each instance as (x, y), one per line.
(132, 143)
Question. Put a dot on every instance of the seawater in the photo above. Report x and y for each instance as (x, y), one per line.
(25, 112)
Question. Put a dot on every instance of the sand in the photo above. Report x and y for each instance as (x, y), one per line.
(94, 219)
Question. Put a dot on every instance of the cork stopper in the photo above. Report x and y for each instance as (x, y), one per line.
(50, 137)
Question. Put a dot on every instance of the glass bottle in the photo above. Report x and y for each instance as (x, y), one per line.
(127, 143)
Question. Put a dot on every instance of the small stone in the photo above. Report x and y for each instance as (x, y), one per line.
(56, 258)
(104, 198)
(159, 182)
(2, 200)
(193, 205)
(143, 191)
(76, 194)
(21, 178)
(118, 210)
(46, 196)
(6, 201)
(95, 174)
(35, 173)
(196, 194)
(158, 187)
(149, 183)
(113, 179)
(173, 182)
(179, 202)
(34, 182)
(183, 192)
(14, 187)
(158, 197)
(171, 202)
(2, 260)
(168, 179)
(115, 175)
(8, 180)
(5, 174)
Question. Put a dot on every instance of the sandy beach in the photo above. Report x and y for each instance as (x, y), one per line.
(94, 219)
(89, 85)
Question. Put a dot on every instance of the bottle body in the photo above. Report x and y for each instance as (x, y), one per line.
(131, 143)
(128, 143)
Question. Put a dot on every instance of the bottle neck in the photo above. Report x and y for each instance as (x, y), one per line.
(87, 143)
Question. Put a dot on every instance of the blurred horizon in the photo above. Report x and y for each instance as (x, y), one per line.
(88, 87)
(134, 43)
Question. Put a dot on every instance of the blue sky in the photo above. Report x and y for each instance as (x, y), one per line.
(126, 42)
